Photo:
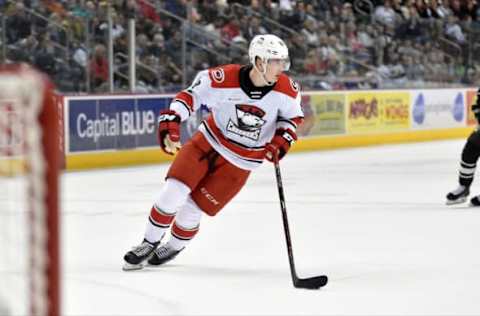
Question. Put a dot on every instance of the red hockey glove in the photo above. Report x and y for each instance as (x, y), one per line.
(169, 131)
(280, 144)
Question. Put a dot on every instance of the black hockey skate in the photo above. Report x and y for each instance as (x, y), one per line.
(135, 258)
(459, 195)
(475, 201)
(163, 254)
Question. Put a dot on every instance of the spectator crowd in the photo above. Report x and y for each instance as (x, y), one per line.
(333, 44)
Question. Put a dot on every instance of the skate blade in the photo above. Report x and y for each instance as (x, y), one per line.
(457, 201)
(132, 267)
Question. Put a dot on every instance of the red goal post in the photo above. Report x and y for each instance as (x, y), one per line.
(30, 151)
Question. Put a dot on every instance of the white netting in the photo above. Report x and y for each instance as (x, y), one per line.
(23, 233)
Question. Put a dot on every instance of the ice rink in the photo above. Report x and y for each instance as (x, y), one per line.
(373, 219)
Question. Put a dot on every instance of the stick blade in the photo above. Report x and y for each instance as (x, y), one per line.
(311, 283)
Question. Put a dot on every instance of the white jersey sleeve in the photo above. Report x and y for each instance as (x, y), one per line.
(189, 100)
(290, 112)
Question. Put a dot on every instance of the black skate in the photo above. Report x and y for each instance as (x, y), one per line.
(459, 195)
(135, 258)
(163, 254)
(475, 201)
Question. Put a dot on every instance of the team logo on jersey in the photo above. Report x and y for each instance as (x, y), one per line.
(218, 75)
(295, 85)
(249, 121)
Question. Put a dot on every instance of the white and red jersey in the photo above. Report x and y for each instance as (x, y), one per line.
(243, 117)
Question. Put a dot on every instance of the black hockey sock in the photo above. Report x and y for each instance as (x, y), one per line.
(468, 164)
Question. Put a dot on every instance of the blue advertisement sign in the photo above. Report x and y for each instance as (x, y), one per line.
(419, 109)
(113, 123)
(458, 108)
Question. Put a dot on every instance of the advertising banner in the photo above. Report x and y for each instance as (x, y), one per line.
(377, 111)
(305, 128)
(329, 114)
(109, 123)
(471, 99)
(438, 108)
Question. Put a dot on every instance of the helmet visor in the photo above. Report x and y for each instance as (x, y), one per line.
(283, 63)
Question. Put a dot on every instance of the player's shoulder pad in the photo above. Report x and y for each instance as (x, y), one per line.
(225, 76)
(287, 86)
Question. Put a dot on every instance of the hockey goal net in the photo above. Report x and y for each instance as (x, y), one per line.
(29, 161)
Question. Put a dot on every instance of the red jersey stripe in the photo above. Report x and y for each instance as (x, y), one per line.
(297, 120)
(186, 98)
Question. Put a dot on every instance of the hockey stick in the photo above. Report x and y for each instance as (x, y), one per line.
(307, 283)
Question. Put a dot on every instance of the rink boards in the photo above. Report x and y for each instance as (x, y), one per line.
(118, 130)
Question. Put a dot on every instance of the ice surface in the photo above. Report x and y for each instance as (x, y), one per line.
(373, 219)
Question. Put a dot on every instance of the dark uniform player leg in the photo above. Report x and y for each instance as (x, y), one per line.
(475, 137)
(468, 164)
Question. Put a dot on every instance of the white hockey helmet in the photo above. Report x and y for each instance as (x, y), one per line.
(267, 47)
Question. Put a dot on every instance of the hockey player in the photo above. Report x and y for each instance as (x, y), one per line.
(468, 164)
(255, 110)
